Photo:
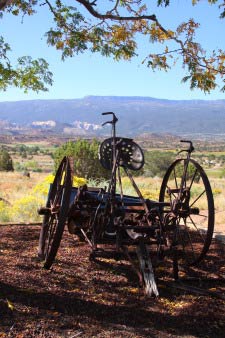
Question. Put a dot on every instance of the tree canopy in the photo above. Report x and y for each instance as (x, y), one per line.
(111, 28)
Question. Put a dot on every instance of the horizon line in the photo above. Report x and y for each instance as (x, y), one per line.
(111, 96)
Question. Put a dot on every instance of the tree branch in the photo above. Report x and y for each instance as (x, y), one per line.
(4, 3)
(115, 6)
(109, 15)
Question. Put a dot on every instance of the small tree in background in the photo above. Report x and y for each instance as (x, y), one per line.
(6, 163)
(86, 162)
(156, 163)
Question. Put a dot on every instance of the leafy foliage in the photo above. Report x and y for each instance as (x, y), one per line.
(6, 163)
(86, 162)
(157, 163)
(27, 74)
(112, 30)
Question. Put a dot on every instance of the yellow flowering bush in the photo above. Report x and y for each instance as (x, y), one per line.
(42, 187)
(150, 194)
(25, 209)
(4, 212)
(79, 181)
(217, 191)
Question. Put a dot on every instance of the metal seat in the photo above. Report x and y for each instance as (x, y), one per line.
(130, 155)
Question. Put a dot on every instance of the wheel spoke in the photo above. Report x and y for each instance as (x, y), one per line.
(50, 234)
(195, 192)
(185, 169)
(197, 229)
(193, 178)
(203, 192)
(171, 194)
(186, 231)
(175, 177)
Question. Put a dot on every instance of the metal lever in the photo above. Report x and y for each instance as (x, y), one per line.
(190, 149)
(114, 120)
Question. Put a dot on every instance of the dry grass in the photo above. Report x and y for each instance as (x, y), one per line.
(19, 201)
(44, 162)
(14, 186)
(149, 186)
(218, 188)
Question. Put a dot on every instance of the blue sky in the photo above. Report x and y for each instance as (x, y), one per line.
(92, 74)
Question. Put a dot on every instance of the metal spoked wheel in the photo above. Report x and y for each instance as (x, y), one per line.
(56, 213)
(194, 222)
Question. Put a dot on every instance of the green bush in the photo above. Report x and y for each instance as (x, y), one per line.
(86, 161)
(157, 162)
(6, 163)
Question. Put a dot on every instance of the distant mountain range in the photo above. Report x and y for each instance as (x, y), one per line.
(137, 115)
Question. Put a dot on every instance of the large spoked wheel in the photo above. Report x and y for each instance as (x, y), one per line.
(57, 207)
(193, 207)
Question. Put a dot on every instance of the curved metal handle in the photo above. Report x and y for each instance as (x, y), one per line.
(190, 149)
(108, 113)
(114, 120)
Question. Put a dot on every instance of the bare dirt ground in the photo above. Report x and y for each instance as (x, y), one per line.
(80, 298)
(219, 232)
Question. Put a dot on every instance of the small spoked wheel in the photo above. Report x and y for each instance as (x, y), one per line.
(193, 207)
(57, 207)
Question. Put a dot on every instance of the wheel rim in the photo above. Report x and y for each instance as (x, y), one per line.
(194, 222)
(54, 223)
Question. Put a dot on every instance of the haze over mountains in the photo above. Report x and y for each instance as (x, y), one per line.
(137, 115)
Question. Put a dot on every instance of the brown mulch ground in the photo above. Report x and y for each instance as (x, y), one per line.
(80, 298)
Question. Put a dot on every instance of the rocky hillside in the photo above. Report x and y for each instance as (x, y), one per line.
(137, 115)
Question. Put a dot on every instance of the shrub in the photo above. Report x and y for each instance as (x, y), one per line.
(25, 209)
(4, 212)
(42, 187)
(6, 163)
(157, 162)
(86, 162)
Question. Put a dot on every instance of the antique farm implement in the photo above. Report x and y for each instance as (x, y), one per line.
(180, 223)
